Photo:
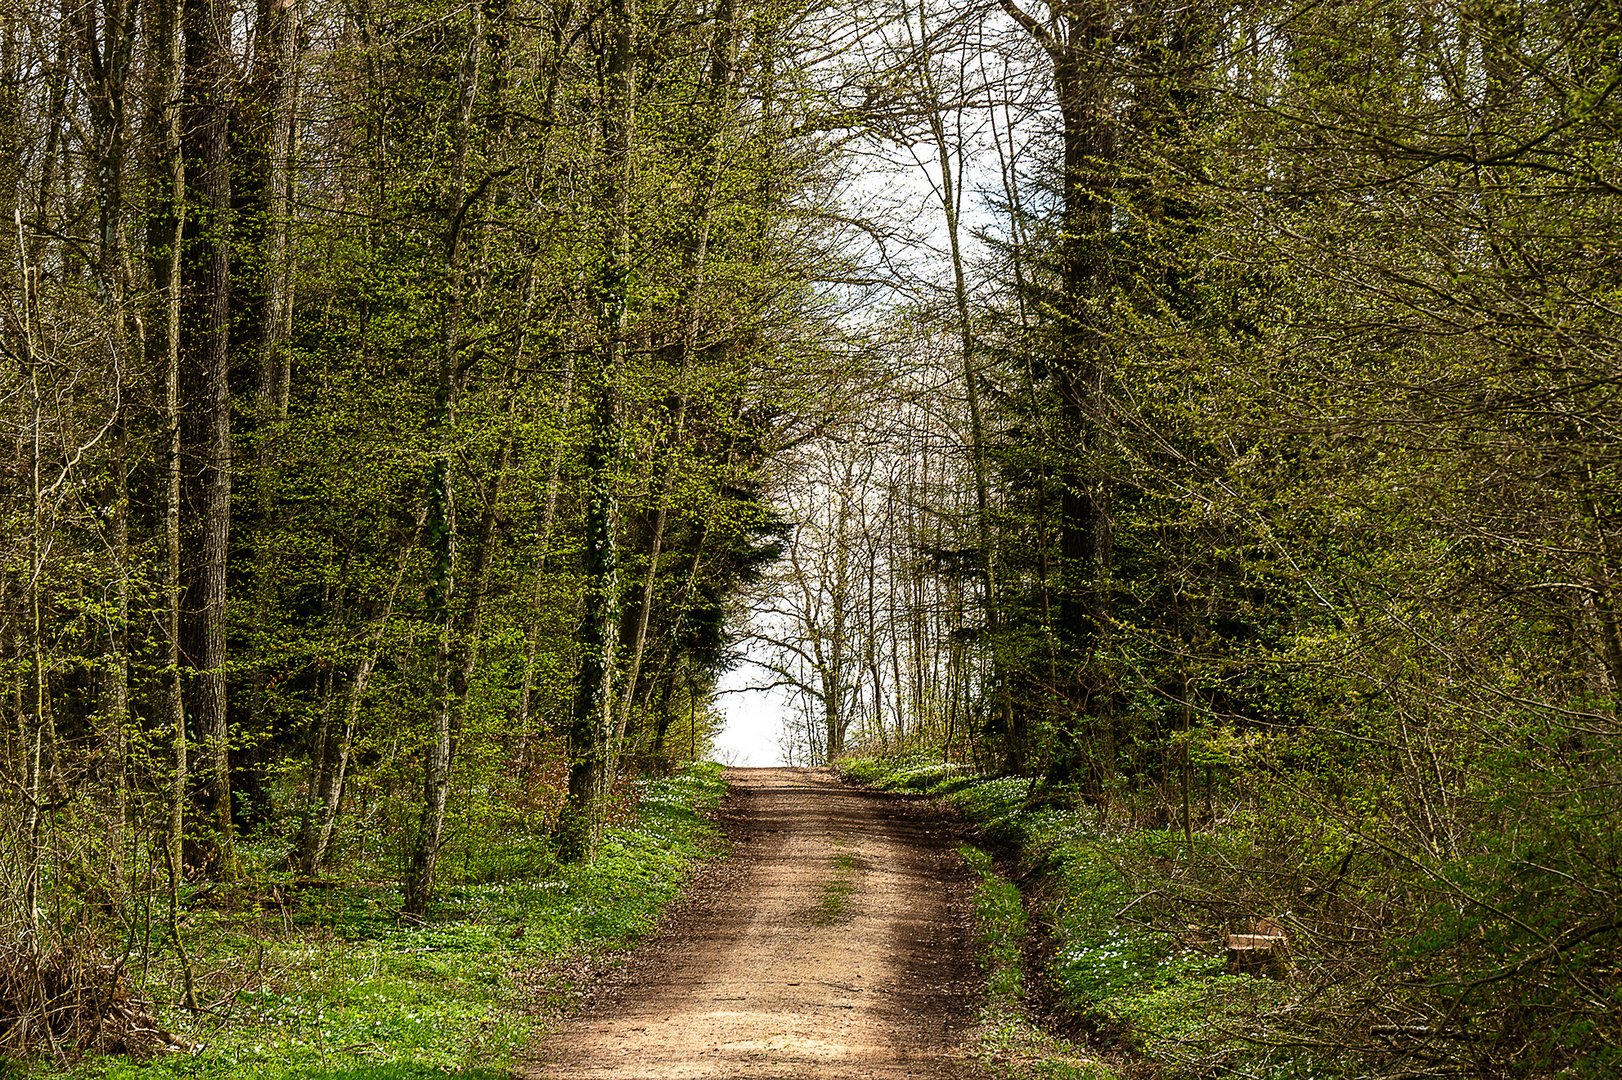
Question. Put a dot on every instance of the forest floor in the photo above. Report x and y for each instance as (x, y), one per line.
(835, 942)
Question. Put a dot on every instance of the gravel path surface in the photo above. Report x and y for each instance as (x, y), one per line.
(833, 944)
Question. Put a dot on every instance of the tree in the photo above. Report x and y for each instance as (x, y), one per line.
(591, 733)
(205, 413)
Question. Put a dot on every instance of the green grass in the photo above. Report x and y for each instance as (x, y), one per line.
(1012, 1046)
(1134, 926)
(837, 892)
(835, 895)
(373, 1072)
(334, 987)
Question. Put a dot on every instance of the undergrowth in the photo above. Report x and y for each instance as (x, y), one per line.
(327, 983)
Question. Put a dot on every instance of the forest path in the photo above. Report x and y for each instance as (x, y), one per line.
(833, 943)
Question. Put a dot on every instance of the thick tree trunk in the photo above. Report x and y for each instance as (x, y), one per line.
(592, 716)
(205, 416)
(280, 26)
(592, 721)
(1083, 274)
(1079, 40)
(262, 147)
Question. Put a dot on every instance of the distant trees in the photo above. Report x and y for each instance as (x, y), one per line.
(868, 620)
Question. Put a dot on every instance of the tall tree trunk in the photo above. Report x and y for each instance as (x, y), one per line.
(262, 148)
(34, 701)
(105, 60)
(1079, 41)
(836, 720)
(442, 522)
(165, 221)
(281, 91)
(592, 719)
(950, 188)
(205, 405)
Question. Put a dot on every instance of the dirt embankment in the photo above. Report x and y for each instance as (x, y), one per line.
(833, 944)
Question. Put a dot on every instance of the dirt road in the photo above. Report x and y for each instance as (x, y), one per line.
(833, 944)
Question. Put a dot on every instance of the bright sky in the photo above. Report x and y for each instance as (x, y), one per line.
(755, 720)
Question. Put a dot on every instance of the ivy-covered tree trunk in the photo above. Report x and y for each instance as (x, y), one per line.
(592, 718)
(264, 131)
(165, 182)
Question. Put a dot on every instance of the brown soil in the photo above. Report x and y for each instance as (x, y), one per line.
(832, 944)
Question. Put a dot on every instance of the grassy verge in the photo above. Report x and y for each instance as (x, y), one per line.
(1012, 1045)
(330, 985)
(1151, 995)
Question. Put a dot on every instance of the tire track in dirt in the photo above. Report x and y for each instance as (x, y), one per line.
(833, 944)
